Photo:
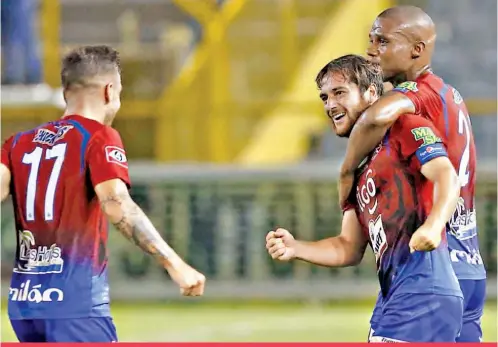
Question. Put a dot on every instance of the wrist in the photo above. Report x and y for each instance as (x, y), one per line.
(298, 248)
(435, 223)
(173, 262)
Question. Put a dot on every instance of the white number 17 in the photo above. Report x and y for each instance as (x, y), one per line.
(34, 159)
(463, 128)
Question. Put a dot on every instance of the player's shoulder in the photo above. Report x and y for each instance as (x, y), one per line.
(411, 126)
(7, 143)
(410, 121)
(21, 138)
(91, 129)
(428, 83)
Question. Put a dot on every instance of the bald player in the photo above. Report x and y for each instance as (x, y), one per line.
(68, 178)
(402, 40)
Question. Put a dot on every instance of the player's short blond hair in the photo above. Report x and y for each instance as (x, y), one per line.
(84, 63)
(355, 69)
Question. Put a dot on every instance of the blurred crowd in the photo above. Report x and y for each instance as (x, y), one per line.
(21, 51)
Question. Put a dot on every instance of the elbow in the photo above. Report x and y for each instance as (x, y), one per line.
(355, 259)
(353, 255)
(5, 191)
(369, 119)
(374, 117)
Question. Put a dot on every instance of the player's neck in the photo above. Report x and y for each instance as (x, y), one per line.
(84, 111)
(417, 71)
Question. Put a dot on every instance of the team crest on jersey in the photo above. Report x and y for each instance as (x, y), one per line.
(426, 135)
(116, 155)
(48, 137)
(457, 98)
(407, 87)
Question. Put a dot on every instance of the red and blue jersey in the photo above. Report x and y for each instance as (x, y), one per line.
(392, 199)
(444, 107)
(60, 270)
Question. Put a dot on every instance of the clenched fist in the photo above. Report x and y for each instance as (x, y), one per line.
(426, 238)
(281, 245)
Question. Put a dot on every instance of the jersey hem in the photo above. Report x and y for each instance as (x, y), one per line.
(43, 317)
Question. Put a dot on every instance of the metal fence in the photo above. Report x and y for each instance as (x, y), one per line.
(217, 218)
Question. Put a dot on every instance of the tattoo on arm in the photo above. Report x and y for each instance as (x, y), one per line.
(132, 222)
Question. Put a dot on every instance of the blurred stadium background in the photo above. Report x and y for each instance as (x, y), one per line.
(227, 140)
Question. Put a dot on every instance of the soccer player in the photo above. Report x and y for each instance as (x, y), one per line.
(402, 40)
(67, 178)
(392, 210)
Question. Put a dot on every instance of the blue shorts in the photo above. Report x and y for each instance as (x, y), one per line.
(474, 294)
(419, 318)
(98, 329)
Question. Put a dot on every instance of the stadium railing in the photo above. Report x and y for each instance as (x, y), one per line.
(217, 218)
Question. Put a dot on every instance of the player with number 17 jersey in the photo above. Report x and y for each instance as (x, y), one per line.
(60, 269)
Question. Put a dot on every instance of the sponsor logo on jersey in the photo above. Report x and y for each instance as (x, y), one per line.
(426, 135)
(473, 257)
(426, 153)
(378, 238)
(407, 87)
(35, 293)
(48, 137)
(37, 260)
(457, 98)
(116, 155)
(463, 224)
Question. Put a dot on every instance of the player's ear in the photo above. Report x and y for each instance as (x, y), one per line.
(108, 93)
(417, 49)
(371, 94)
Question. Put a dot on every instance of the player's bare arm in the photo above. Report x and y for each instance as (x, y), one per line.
(5, 177)
(440, 171)
(347, 249)
(132, 222)
(368, 133)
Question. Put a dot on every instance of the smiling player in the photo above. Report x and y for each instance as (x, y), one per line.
(402, 41)
(393, 210)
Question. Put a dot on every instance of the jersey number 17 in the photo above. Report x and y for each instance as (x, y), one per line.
(34, 159)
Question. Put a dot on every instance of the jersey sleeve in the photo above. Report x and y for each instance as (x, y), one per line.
(346, 206)
(419, 141)
(106, 157)
(350, 203)
(412, 92)
(6, 147)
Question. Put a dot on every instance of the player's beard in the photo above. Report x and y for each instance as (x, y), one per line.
(351, 120)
